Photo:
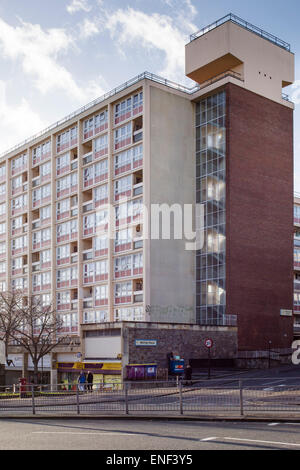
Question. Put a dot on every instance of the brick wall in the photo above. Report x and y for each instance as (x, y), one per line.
(187, 343)
(259, 218)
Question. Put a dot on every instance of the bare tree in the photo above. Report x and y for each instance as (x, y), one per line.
(39, 330)
(10, 316)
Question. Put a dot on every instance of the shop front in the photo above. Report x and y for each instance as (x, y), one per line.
(106, 375)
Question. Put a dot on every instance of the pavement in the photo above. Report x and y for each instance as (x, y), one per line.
(282, 382)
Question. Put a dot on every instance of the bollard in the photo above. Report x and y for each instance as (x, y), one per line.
(126, 399)
(77, 399)
(180, 398)
(33, 402)
(241, 398)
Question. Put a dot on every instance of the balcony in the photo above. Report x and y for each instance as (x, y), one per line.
(88, 302)
(87, 158)
(138, 296)
(137, 189)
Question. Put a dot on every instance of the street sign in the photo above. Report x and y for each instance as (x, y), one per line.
(208, 343)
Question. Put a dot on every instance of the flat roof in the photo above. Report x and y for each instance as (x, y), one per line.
(244, 24)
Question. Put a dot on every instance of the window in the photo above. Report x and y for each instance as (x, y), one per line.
(2, 228)
(2, 171)
(19, 203)
(101, 244)
(16, 223)
(3, 248)
(100, 193)
(138, 261)
(66, 229)
(63, 299)
(19, 283)
(123, 186)
(2, 286)
(123, 292)
(66, 184)
(138, 103)
(3, 267)
(3, 208)
(66, 275)
(17, 263)
(19, 163)
(62, 162)
(66, 139)
(101, 146)
(2, 189)
(129, 107)
(101, 292)
(16, 183)
(123, 266)
(45, 169)
(45, 256)
(19, 243)
(45, 213)
(62, 207)
(123, 237)
(98, 316)
(41, 152)
(62, 252)
(129, 314)
(46, 279)
(46, 300)
(122, 136)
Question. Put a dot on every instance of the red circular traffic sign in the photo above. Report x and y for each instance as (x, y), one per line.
(209, 343)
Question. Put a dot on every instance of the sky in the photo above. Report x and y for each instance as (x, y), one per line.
(58, 55)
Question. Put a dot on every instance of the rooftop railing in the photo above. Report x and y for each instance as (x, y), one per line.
(133, 81)
(244, 24)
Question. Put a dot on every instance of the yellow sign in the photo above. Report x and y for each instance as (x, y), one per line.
(78, 365)
(112, 366)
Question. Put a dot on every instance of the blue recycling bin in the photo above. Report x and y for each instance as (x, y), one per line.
(177, 366)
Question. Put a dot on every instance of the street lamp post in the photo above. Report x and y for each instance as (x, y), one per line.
(270, 342)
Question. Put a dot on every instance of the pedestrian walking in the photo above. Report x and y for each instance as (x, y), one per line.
(188, 374)
(82, 381)
(90, 379)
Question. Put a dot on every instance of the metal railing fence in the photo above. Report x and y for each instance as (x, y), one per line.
(244, 24)
(197, 398)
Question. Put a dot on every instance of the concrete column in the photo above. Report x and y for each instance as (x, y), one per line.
(25, 366)
(53, 372)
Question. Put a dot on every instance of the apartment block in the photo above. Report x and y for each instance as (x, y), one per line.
(226, 143)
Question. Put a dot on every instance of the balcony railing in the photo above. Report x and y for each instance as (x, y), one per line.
(219, 320)
(244, 24)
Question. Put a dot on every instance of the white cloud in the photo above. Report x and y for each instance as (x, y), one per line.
(88, 28)
(153, 31)
(78, 5)
(295, 92)
(38, 52)
(17, 122)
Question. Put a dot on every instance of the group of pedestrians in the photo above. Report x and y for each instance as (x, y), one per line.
(85, 381)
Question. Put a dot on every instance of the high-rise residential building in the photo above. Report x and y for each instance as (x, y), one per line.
(227, 144)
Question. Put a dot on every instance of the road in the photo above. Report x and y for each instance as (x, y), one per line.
(135, 435)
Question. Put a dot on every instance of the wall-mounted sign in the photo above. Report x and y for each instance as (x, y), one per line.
(146, 342)
(286, 313)
(208, 343)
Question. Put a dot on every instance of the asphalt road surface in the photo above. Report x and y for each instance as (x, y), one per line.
(135, 435)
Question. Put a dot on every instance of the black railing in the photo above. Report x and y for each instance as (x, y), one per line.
(244, 24)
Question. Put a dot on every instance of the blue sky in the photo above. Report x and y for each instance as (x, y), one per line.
(57, 55)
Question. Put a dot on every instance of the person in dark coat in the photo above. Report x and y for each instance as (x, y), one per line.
(188, 374)
(90, 379)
